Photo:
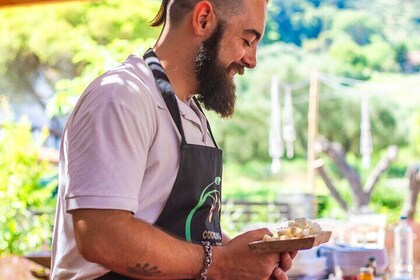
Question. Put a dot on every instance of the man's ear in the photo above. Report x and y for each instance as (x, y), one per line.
(204, 19)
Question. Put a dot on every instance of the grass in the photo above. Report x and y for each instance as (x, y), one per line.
(254, 181)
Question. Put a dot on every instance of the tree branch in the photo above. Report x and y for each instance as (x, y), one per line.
(333, 190)
(413, 174)
(337, 154)
(381, 167)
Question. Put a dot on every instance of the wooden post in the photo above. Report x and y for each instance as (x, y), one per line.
(312, 133)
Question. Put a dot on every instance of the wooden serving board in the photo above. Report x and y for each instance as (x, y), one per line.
(280, 246)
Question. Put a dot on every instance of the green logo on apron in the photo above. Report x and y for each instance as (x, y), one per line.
(200, 203)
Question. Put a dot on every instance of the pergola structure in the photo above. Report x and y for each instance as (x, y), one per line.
(12, 3)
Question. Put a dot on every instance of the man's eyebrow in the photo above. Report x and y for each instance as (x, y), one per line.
(253, 32)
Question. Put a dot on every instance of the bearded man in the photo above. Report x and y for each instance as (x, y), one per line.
(140, 171)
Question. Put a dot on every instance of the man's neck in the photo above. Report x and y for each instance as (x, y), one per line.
(177, 59)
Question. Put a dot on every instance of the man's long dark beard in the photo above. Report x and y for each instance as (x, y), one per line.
(216, 90)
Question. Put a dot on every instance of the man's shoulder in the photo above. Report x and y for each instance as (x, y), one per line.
(133, 72)
(131, 80)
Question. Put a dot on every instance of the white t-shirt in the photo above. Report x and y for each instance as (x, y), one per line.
(120, 150)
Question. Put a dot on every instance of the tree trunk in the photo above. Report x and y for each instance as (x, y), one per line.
(413, 174)
(331, 188)
(338, 155)
(361, 195)
(381, 167)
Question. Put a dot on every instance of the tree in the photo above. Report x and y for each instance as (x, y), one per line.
(401, 56)
(339, 112)
(361, 194)
(293, 21)
(73, 42)
(380, 55)
(413, 175)
(415, 134)
(351, 61)
(359, 26)
(46, 49)
(26, 203)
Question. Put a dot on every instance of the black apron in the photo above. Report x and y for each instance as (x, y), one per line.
(192, 211)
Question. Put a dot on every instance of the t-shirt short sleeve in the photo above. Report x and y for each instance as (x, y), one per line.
(106, 145)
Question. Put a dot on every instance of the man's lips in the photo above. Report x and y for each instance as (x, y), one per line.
(237, 70)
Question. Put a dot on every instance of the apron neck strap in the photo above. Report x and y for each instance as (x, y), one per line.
(165, 88)
(208, 125)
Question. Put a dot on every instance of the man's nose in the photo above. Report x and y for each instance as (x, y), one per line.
(250, 58)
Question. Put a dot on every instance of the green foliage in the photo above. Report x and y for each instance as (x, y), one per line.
(241, 183)
(230, 135)
(324, 206)
(388, 200)
(250, 181)
(359, 26)
(251, 122)
(71, 44)
(25, 206)
(415, 134)
(364, 36)
(350, 59)
(75, 42)
(295, 21)
(398, 170)
(359, 61)
(380, 54)
(339, 113)
(401, 52)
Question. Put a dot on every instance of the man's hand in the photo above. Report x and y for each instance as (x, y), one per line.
(286, 260)
(237, 261)
(285, 264)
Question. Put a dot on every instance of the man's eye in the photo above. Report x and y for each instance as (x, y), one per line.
(246, 42)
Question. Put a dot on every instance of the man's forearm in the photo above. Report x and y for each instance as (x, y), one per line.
(126, 245)
(225, 238)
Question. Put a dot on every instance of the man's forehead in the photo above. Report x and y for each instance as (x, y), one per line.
(254, 13)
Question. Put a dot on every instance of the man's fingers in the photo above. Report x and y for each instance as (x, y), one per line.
(293, 254)
(285, 261)
(279, 274)
(260, 232)
(255, 235)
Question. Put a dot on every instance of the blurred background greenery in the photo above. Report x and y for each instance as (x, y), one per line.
(50, 53)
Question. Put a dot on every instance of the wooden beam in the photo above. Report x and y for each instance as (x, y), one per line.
(12, 3)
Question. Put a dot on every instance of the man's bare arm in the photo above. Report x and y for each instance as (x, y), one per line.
(225, 238)
(129, 246)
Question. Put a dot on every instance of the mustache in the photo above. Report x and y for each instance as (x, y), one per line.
(237, 66)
